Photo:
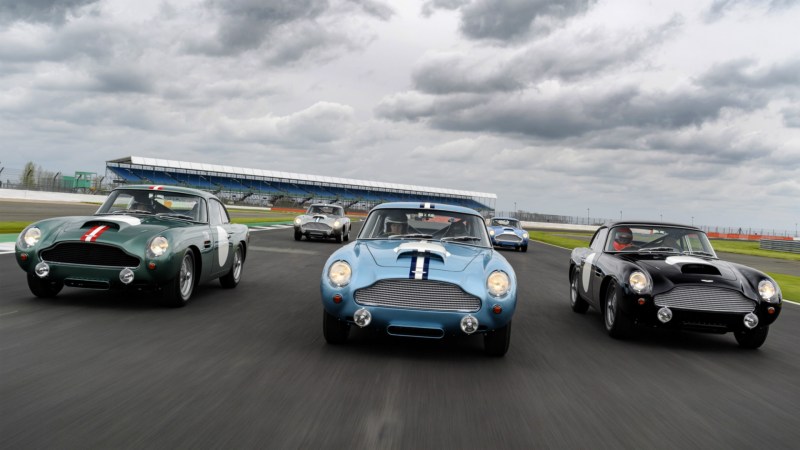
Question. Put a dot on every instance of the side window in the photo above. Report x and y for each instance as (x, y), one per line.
(599, 240)
(217, 213)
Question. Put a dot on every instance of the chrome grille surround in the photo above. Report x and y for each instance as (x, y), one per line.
(89, 254)
(316, 226)
(429, 295)
(703, 298)
(508, 237)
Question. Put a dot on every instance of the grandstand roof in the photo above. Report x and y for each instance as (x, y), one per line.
(165, 163)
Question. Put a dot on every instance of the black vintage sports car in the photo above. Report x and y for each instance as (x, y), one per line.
(667, 275)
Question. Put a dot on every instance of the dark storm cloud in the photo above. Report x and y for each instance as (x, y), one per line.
(719, 8)
(586, 54)
(123, 80)
(506, 19)
(47, 11)
(568, 114)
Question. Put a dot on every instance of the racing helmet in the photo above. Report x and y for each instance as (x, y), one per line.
(623, 236)
(395, 218)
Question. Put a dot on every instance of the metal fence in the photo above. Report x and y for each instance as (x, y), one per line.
(781, 246)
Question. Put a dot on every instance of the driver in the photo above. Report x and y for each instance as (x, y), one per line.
(623, 238)
(142, 203)
(396, 223)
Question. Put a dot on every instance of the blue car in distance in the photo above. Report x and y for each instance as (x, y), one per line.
(420, 270)
(507, 232)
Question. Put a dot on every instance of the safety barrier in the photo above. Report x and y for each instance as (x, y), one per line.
(780, 246)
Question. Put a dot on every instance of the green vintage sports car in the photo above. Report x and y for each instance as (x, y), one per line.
(163, 239)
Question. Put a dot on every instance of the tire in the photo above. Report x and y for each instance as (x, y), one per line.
(618, 325)
(347, 236)
(496, 342)
(751, 339)
(43, 288)
(338, 237)
(334, 330)
(578, 304)
(524, 248)
(231, 279)
(178, 291)
(297, 235)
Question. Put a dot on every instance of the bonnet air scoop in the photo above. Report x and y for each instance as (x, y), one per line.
(414, 248)
(113, 222)
(700, 269)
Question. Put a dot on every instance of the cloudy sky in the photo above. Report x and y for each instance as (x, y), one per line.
(681, 110)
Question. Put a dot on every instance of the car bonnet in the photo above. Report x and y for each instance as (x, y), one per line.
(674, 267)
(111, 229)
(399, 253)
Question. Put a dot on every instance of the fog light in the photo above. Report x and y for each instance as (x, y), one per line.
(641, 301)
(497, 309)
(664, 314)
(337, 299)
(23, 256)
(751, 320)
(42, 269)
(151, 266)
(126, 276)
(469, 324)
(362, 317)
(771, 310)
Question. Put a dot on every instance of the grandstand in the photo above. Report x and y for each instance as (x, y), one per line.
(282, 189)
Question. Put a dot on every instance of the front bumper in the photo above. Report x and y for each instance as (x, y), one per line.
(318, 232)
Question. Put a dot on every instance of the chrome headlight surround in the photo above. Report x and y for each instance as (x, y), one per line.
(340, 273)
(768, 291)
(29, 237)
(298, 220)
(157, 247)
(498, 283)
(337, 224)
(491, 232)
(525, 235)
(639, 282)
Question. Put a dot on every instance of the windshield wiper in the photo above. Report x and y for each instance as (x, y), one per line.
(658, 250)
(129, 211)
(698, 252)
(411, 236)
(177, 216)
(461, 238)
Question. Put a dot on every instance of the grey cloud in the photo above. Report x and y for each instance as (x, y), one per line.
(505, 20)
(47, 11)
(791, 117)
(570, 113)
(375, 9)
(430, 6)
(741, 73)
(565, 57)
(719, 8)
(123, 80)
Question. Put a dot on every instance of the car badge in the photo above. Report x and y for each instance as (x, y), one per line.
(707, 281)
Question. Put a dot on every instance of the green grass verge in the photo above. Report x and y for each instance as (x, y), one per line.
(12, 227)
(790, 286)
(261, 220)
(557, 239)
(750, 248)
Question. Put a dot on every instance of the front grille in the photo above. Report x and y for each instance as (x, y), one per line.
(317, 226)
(513, 238)
(701, 298)
(89, 254)
(418, 294)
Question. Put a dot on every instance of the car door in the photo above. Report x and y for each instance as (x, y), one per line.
(591, 274)
(221, 234)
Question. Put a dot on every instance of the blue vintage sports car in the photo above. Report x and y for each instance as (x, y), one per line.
(420, 270)
(508, 232)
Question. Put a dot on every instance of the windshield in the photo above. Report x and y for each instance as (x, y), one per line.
(329, 210)
(168, 204)
(658, 239)
(442, 226)
(514, 223)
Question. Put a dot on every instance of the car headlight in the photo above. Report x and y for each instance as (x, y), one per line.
(491, 232)
(498, 283)
(297, 221)
(767, 290)
(339, 273)
(525, 235)
(30, 237)
(159, 246)
(337, 224)
(639, 282)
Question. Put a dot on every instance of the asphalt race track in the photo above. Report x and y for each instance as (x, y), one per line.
(249, 368)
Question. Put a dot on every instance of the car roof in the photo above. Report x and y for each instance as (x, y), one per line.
(325, 204)
(165, 188)
(425, 205)
(648, 223)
